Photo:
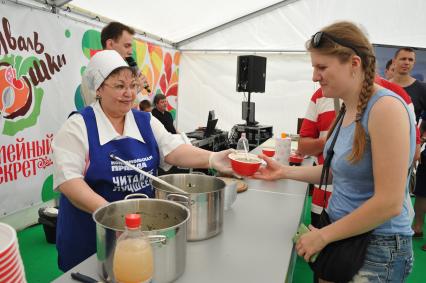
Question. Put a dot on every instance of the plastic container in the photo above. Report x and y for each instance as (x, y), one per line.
(133, 257)
(283, 148)
(48, 217)
(243, 141)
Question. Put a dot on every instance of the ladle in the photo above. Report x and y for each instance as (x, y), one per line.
(179, 190)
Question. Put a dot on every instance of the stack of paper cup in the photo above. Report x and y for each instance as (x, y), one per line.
(11, 267)
(282, 149)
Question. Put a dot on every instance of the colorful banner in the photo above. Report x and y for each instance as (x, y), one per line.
(40, 73)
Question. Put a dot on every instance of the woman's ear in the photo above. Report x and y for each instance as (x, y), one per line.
(356, 61)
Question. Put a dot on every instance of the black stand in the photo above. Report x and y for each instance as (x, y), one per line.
(248, 122)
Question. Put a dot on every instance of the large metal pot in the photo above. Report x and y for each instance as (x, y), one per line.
(205, 200)
(160, 219)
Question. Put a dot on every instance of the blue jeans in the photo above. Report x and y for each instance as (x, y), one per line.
(388, 259)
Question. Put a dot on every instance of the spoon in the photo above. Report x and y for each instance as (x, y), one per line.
(174, 188)
(246, 151)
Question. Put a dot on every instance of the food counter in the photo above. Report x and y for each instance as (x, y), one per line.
(256, 242)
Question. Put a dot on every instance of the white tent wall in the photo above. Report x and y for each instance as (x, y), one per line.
(392, 22)
(208, 81)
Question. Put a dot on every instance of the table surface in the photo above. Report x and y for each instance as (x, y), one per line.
(256, 242)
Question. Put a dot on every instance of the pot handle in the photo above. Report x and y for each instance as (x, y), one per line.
(136, 195)
(186, 200)
(154, 239)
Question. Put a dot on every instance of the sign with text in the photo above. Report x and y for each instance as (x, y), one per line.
(42, 58)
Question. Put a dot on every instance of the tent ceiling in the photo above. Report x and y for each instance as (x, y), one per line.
(262, 25)
(173, 20)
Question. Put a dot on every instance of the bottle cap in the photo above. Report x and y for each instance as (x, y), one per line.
(283, 135)
(133, 220)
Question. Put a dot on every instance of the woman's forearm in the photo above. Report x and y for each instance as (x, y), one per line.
(308, 174)
(81, 195)
(188, 156)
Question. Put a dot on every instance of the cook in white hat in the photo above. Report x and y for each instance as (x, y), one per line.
(83, 170)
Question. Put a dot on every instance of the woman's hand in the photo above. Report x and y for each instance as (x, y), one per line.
(310, 243)
(272, 171)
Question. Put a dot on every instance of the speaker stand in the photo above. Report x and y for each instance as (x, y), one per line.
(248, 122)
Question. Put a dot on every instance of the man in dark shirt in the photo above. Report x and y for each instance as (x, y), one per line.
(162, 114)
(404, 61)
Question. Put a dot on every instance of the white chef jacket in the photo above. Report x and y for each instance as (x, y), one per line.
(71, 147)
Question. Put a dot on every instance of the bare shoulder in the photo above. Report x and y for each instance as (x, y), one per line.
(389, 113)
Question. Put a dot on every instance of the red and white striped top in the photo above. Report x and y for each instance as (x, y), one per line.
(318, 119)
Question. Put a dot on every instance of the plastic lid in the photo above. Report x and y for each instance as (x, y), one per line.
(133, 220)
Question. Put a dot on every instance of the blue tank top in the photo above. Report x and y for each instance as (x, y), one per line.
(353, 184)
(76, 232)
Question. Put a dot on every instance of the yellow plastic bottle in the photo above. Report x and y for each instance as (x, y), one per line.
(133, 258)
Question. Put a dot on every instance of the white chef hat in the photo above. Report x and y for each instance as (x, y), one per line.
(99, 68)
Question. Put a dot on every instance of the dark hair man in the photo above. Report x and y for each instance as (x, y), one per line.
(404, 61)
(160, 112)
(389, 70)
(117, 36)
(145, 105)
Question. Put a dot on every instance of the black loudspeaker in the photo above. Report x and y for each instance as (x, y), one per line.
(251, 73)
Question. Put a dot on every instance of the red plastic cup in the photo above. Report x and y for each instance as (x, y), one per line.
(7, 239)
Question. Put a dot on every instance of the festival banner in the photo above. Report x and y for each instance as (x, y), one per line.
(42, 58)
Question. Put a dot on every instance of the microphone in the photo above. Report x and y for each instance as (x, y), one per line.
(134, 66)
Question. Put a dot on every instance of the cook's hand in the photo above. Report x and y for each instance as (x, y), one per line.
(272, 171)
(310, 243)
(221, 162)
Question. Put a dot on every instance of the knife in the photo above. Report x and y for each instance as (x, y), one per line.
(83, 278)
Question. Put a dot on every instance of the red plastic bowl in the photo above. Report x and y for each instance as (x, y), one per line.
(241, 166)
(295, 159)
(268, 151)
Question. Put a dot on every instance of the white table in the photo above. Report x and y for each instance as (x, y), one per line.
(256, 242)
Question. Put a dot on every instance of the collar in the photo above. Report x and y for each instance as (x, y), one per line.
(107, 132)
(159, 111)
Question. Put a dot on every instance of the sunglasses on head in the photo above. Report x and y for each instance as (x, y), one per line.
(319, 37)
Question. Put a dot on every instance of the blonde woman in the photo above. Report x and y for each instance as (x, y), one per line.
(372, 155)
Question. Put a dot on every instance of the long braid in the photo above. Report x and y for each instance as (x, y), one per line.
(365, 95)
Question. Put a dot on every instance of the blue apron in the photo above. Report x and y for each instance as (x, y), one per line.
(76, 230)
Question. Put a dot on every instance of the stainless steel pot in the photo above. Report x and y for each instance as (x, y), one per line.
(162, 219)
(205, 200)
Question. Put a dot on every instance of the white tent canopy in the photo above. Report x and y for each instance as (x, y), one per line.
(211, 34)
(286, 25)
